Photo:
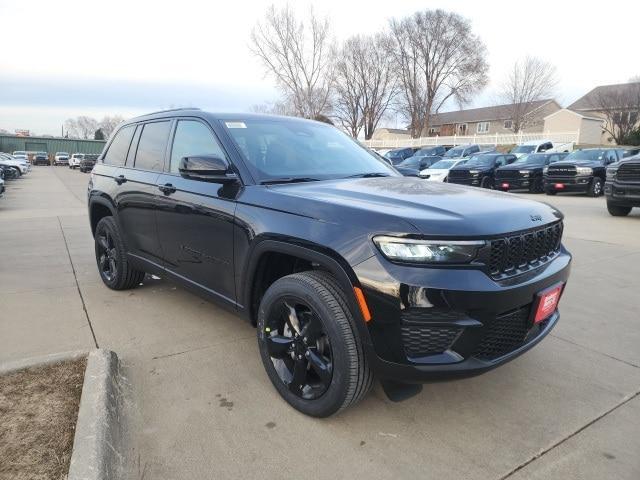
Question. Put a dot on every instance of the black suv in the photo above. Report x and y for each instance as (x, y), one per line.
(479, 170)
(526, 172)
(87, 162)
(398, 155)
(581, 171)
(41, 158)
(622, 187)
(346, 268)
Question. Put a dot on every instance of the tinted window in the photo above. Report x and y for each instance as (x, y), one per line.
(117, 153)
(193, 138)
(153, 140)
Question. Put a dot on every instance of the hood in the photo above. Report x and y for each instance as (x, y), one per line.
(522, 167)
(434, 171)
(390, 204)
(578, 163)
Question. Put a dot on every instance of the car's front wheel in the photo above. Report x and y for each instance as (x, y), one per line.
(111, 256)
(618, 210)
(487, 183)
(595, 189)
(310, 346)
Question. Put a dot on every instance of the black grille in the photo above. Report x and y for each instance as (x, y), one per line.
(629, 172)
(518, 253)
(562, 171)
(504, 335)
(507, 174)
(424, 340)
(459, 173)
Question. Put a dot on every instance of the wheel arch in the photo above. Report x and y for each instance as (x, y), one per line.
(98, 209)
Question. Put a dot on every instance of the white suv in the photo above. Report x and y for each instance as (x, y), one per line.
(74, 161)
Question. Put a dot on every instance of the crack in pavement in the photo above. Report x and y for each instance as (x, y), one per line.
(595, 351)
(158, 357)
(542, 453)
(75, 277)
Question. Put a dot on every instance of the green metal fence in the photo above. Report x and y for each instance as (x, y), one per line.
(11, 143)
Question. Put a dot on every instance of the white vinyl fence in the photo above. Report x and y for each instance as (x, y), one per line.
(496, 139)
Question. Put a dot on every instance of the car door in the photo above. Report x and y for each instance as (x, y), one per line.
(136, 199)
(196, 218)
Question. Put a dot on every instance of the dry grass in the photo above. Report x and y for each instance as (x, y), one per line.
(38, 412)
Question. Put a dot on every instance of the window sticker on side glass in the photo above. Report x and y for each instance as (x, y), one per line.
(235, 124)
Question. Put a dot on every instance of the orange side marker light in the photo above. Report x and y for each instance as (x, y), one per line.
(362, 303)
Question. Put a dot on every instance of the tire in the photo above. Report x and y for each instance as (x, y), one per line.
(333, 333)
(618, 210)
(596, 187)
(487, 183)
(549, 191)
(536, 186)
(109, 243)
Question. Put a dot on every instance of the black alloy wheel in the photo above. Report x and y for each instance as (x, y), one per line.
(111, 257)
(310, 346)
(299, 348)
(487, 183)
(107, 256)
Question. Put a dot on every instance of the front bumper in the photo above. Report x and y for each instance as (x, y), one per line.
(623, 194)
(473, 181)
(513, 183)
(569, 184)
(433, 324)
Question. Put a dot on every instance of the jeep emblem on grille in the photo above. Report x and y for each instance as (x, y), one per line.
(535, 218)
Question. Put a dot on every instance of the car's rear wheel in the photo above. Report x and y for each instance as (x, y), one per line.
(595, 189)
(310, 346)
(487, 183)
(111, 256)
(618, 210)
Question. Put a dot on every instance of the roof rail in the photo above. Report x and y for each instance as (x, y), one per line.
(172, 110)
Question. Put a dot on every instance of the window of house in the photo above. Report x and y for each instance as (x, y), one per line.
(508, 124)
(461, 128)
(483, 127)
(193, 138)
(151, 147)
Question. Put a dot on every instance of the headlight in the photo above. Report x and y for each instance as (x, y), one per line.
(525, 173)
(545, 169)
(474, 172)
(428, 251)
(584, 170)
(611, 173)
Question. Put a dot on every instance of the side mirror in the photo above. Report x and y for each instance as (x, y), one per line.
(208, 168)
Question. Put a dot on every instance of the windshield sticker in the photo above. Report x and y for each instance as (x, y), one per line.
(235, 124)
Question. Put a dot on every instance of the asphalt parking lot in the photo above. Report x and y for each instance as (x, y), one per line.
(202, 406)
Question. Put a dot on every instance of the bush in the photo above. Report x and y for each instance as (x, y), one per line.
(632, 138)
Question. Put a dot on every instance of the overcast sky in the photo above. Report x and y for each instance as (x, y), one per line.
(68, 58)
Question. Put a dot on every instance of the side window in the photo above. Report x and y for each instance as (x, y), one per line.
(501, 162)
(117, 153)
(193, 138)
(611, 157)
(151, 147)
(551, 159)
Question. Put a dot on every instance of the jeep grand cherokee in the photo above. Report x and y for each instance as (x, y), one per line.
(347, 269)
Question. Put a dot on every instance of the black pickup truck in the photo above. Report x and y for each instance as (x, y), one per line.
(622, 187)
(581, 171)
(526, 172)
(479, 171)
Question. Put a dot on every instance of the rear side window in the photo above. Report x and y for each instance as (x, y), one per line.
(117, 153)
(152, 145)
(193, 138)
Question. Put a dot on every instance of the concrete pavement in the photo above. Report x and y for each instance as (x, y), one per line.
(202, 406)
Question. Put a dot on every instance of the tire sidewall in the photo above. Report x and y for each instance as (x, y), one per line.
(109, 224)
(334, 397)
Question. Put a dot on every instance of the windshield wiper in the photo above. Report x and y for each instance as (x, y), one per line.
(273, 181)
(369, 175)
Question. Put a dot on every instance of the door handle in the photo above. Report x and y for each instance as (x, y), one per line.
(167, 188)
(120, 179)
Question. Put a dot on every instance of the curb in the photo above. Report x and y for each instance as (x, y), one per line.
(97, 444)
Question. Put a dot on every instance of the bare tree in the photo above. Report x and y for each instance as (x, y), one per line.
(364, 83)
(71, 126)
(81, 127)
(620, 106)
(108, 124)
(634, 79)
(530, 80)
(438, 58)
(298, 55)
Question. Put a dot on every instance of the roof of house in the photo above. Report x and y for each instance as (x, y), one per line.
(497, 112)
(590, 100)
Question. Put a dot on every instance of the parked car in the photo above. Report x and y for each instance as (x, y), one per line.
(399, 154)
(61, 158)
(74, 161)
(41, 158)
(87, 163)
(411, 166)
(526, 172)
(438, 171)
(20, 155)
(432, 152)
(462, 151)
(582, 171)
(622, 186)
(534, 146)
(9, 172)
(22, 166)
(480, 169)
(630, 152)
(346, 268)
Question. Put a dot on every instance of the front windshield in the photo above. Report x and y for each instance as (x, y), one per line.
(454, 152)
(409, 162)
(395, 154)
(586, 155)
(20, 153)
(443, 164)
(523, 149)
(535, 159)
(289, 148)
(480, 161)
(427, 152)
